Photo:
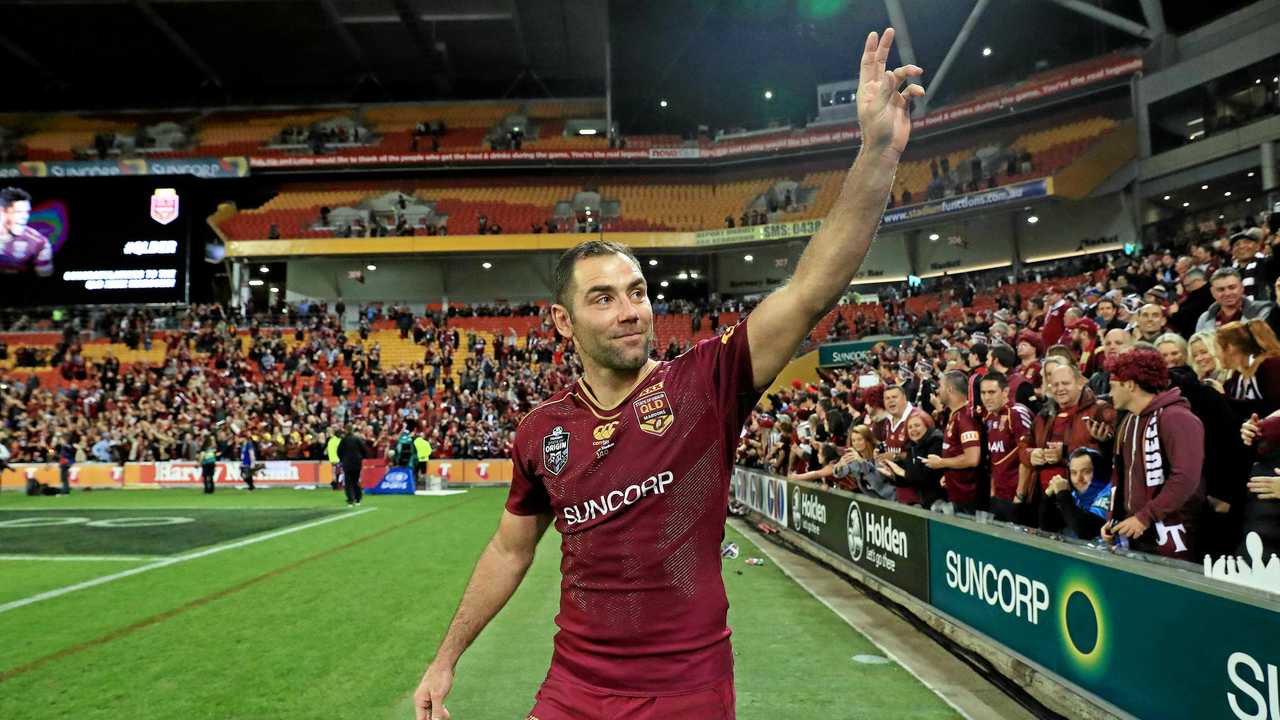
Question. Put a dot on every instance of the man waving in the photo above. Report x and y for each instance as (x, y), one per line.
(632, 461)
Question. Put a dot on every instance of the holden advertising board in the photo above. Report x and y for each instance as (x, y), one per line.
(886, 542)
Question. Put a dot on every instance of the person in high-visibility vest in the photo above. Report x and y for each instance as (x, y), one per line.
(331, 453)
(423, 449)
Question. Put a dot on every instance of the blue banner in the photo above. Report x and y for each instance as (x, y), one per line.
(397, 481)
(1017, 192)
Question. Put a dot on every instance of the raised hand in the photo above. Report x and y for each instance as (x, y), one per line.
(883, 111)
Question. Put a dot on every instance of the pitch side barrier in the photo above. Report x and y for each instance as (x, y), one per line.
(1086, 630)
(285, 473)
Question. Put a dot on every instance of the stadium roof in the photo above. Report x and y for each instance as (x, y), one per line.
(711, 60)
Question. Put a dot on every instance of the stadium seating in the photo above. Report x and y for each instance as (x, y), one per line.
(651, 204)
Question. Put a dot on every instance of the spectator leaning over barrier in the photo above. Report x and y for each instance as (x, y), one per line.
(1072, 418)
(961, 446)
(916, 483)
(1007, 426)
(1084, 498)
(1159, 459)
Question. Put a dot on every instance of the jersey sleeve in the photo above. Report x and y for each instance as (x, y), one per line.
(725, 363)
(967, 430)
(527, 496)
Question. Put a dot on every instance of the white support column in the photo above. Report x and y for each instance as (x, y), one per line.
(934, 85)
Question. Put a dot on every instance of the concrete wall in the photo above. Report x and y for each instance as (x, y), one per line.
(513, 278)
(886, 261)
(1063, 226)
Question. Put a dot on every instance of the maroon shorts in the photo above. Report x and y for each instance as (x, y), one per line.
(561, 699)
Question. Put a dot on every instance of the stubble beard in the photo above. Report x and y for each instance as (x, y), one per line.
(610, 357)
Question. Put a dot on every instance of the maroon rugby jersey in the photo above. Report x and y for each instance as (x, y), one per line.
(1006, 430)
(639, 493)
(961, 434)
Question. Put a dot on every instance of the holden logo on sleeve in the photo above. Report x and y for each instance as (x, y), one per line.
(653, 411)
(555, 450)
(855, 531)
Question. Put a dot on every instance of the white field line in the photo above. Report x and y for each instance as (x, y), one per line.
(59, 592)
(772, 558)
(84, 558)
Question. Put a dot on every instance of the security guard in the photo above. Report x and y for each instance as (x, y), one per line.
(423, 449)
(331, 453)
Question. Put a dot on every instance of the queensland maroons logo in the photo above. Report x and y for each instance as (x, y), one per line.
(653, 413)
(555, 450)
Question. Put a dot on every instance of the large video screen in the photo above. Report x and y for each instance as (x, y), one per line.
(94, 240)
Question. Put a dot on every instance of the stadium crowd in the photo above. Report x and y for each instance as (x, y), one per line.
(1135, 399)
(1140, 405)
(218, 387)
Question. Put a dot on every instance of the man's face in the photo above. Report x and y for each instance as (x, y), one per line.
(1244, 249)
(1200, 254)
(1182, 265)
(612, 321)
(993, 396)
(894, 401)
(16, 217)
(1106, 310)
(1150, 320)
(1227, 291)
(1115, 342)
(1065, 386)
(1026, 351)
(1121, 393)
(1081, 472)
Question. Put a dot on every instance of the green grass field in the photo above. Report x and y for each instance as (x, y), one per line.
(337, 620)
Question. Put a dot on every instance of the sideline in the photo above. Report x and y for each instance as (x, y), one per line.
(67, 590)
(965, 691)
(83, 558)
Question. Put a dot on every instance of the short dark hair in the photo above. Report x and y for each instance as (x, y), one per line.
(563, 276)
(1225, 272)
(899, 388)
(995, 377)
(957, 380)
(1005, 355)
(979, 349)
(11, 195)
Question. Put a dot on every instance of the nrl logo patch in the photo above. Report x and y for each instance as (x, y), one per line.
(653, 413)
(555, 450)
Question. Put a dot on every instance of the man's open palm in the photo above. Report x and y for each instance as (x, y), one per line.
(883, 110)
